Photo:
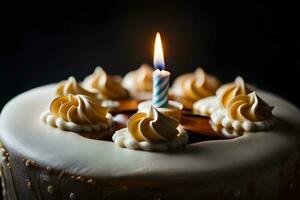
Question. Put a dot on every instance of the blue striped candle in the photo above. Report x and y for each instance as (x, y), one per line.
(160, 88)
(160, 76)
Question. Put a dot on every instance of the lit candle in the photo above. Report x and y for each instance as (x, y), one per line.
(160, 76)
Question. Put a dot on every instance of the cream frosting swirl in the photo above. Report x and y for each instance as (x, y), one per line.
(107, 87)
(71, 86)
(151, 131)
(195, 86)
(78, 113)
(139, 80)
(244, 113)
(152, 127)
(206, 106)
(249, 107)
(229, 91)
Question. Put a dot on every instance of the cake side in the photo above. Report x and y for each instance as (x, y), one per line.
(24, 179)
(112, 165)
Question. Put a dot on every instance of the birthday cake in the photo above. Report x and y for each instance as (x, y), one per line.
(100, 139)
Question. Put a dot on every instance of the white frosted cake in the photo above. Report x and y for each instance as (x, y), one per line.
(40, 161)
(109, 138)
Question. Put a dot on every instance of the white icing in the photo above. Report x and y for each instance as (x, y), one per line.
(226, 133)
(103, 160)
(58, 122)
(219, 118)
(206, 106)
(123, 139)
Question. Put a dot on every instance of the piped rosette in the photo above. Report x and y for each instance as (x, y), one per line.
(153, 131)
(189, 88)
(71, 86)
(224, 95)
(106, 86)
(243, 113)
(79, 113)
(229, 91)
(109, 89)
(139, 82)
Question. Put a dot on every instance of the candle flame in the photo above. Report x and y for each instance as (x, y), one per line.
(158, 60)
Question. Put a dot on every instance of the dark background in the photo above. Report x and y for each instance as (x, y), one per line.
(46, 42)
(43, 43)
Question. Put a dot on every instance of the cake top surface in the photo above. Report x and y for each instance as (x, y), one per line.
(22, 130)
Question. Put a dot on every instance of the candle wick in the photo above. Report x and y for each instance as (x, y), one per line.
(159, 67)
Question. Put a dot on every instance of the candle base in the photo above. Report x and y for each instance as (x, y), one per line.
(173, 108)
